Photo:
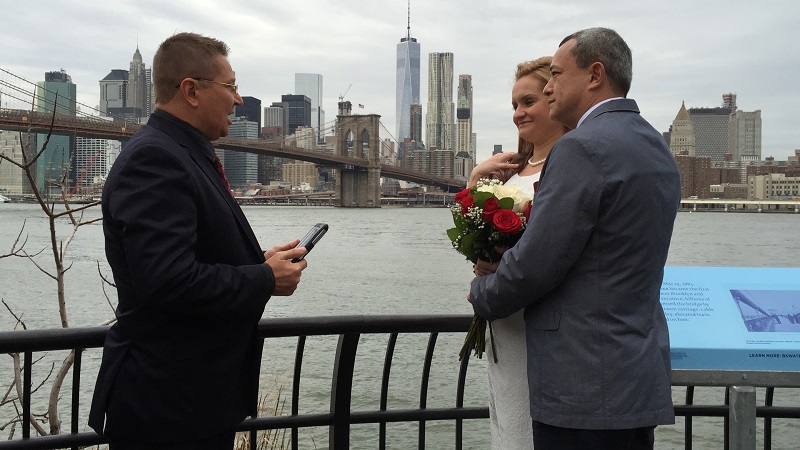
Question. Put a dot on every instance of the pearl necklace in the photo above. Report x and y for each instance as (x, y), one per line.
(536, 163)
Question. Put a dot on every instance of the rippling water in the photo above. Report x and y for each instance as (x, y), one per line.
(378, 261)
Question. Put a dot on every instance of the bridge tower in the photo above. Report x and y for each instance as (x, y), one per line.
(357, 136)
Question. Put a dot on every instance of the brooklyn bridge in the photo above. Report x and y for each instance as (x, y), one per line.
(358, 163)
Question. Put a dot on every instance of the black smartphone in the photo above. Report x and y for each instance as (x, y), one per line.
(311, 238)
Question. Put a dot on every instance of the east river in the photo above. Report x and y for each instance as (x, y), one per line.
(375, 261)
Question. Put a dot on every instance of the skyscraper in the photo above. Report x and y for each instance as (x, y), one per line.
(682, 140)
(744, 136)
(439, 119)
(310, 85)
(59, 92)
(241, 168)
(464, 116)
(299, 111)
(138, 87)
(711, 132)
(249, 109)
(407, 92)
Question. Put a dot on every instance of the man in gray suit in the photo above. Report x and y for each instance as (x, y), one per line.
(588, 268)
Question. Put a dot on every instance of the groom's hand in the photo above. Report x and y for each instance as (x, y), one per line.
(482, 268)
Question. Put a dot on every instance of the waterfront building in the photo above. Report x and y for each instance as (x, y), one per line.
(241, 168)
(464, 116)
(298, 111)
(407, 93)
(388, 153)
(300, 172)
(498, 148)
(695, 171)
(682, 139)
(775, 186)
(58, 92)
(310, 85)
(439, 120)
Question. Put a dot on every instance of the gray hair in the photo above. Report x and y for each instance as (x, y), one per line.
(608, 47)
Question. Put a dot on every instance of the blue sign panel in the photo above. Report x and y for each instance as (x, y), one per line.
(733, 318)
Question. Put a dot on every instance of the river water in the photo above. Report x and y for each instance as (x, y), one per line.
(375, 261)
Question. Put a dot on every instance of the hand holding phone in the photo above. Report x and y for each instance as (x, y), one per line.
(311, 238)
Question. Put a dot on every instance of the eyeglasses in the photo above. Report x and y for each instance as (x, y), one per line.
(232, 87)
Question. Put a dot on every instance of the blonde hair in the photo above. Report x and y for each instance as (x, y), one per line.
(539, 68)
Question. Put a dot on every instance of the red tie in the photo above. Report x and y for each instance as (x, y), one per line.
(221, 172)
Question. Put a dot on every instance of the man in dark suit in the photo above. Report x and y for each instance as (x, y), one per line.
(180, 365)
(588, 268)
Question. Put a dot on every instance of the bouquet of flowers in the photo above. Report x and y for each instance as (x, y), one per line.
(488, 215)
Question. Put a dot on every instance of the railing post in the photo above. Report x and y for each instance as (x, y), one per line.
(742, 418)
(341, 391)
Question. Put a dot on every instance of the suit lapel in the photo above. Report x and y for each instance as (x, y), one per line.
(210, 172)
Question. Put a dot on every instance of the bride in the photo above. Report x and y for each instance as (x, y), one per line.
(509, 404)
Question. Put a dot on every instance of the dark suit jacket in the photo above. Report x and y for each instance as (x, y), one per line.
(588, 271)
(182, 358)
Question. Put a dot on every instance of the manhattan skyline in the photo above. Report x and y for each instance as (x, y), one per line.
(682, 51)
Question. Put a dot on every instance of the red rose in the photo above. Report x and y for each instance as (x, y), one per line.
(466, 203)
(526, 211)
(460, 196)
(489, 208)
(507, 221)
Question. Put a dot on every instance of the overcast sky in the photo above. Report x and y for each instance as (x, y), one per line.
(683, 50)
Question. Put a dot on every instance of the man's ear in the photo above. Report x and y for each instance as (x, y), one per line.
(597, 71)
(187, 91)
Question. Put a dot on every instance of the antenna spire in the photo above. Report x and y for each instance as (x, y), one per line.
(409, 20)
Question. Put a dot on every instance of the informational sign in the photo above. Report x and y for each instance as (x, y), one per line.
(733, 318)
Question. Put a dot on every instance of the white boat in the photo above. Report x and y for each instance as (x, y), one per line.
(4, 199)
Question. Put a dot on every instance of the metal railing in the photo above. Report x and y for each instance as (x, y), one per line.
(740, 413)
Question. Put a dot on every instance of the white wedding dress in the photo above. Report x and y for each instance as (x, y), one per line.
(509, 403)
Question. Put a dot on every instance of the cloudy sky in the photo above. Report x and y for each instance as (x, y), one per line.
(684, 50)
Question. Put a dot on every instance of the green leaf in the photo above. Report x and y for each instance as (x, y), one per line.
(506, 203)
(453, 233)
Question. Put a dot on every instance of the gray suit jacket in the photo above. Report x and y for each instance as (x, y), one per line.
(588, 271)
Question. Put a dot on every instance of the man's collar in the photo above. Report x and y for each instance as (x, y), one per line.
(589, 111)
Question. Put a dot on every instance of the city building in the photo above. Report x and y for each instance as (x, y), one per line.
(310, 85)
(241, 168)
(250, 109)
(695, 173)
(744, 136)
(138, 91)
(439, 120)
(301, 172)
(299, 111)
(682, 139)
(442, 163)
(91, 159)
(462, 166)
(710, 127)
(114, 95)
(407, 92)
(276, 122)
(12, 178)
(498, 148)
(58, 92)
(464, 116)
